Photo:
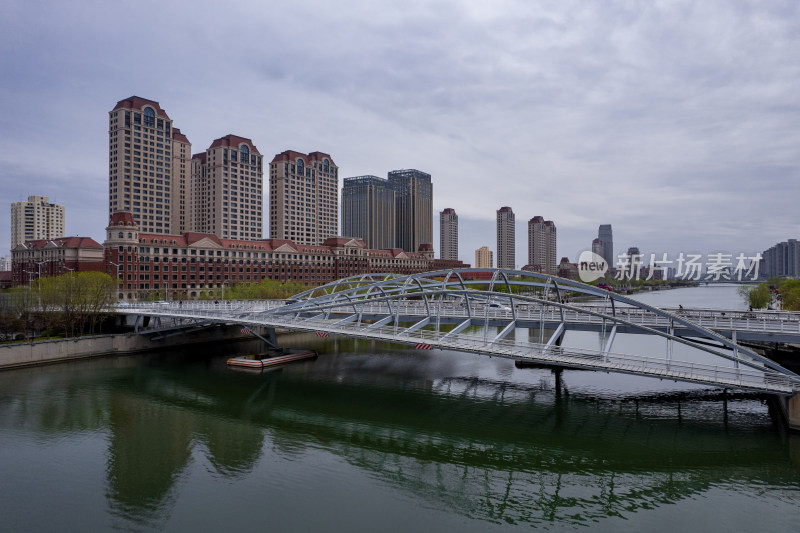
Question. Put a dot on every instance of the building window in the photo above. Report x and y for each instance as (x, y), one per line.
(149, 117)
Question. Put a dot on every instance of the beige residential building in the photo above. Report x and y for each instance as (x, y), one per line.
(448, 234)
(36, 219)
(303, 197)
(542, 245)
(181, 176)
(200, 193)
(484, 258)
(148, 166)
(226, 190)
(506, 236)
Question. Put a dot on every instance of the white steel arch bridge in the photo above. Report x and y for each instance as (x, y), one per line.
(476, 310)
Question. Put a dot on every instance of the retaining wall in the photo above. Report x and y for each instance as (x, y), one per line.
(54, 351)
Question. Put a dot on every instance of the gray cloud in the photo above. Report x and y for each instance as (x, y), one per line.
(673, 121)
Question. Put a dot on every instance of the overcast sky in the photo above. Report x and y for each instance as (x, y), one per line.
(676, 122)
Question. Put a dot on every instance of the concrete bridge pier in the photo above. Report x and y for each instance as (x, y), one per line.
(269, 338)
(790, 406)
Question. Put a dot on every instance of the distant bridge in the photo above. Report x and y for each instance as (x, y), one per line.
(450, 310)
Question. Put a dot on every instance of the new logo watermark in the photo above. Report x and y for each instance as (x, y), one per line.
(591, 266)
(716, 267)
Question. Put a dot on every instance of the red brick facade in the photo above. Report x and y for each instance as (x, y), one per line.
(193, 262)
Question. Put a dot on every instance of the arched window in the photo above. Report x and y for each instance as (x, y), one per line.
(149, 117)
(244, 151)
(300, 166)
(121, 235)
(325, 166)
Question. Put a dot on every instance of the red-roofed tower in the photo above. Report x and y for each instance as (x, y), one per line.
(227, 189)
(303, 197)
(148, 166)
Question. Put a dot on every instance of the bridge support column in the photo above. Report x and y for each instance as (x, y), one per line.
(792, 412)
(271, 337)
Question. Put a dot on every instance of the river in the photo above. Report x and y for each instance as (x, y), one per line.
(375, 437)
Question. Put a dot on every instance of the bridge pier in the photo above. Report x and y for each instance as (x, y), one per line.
(790, 406)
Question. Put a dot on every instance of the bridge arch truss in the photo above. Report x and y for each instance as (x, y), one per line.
(476, 310)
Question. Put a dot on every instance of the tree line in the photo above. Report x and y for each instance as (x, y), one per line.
(71, 304)
(776, 291)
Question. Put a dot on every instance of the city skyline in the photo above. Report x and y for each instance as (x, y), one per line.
(670, 150)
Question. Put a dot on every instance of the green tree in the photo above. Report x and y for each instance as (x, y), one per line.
(756, 296)
(76, 301)
(790, 294)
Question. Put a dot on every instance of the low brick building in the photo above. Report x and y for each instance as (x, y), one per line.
(193, 262)
(34, 259)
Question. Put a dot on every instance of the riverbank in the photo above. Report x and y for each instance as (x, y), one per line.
(22, 354)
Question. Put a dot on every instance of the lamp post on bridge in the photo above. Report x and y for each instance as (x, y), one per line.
(223, 288)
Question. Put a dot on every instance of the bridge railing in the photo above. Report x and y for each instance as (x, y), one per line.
(719, 320)
(245, 312)
(630, 363)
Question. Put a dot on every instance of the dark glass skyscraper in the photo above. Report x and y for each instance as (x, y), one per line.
(606, 237)
(368, 211)
(413, 208)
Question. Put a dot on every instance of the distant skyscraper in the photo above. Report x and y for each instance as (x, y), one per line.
(303, 197)
(413, 208)
(598, 248)
(448, 235)
(36, 219)
(484, 258)
(225, 192)
(542, 244)
(148, 166)
(606, 237)
(782, 259)
(368, 211)
(505, 238)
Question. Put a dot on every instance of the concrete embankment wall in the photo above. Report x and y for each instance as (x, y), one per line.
(55, 351)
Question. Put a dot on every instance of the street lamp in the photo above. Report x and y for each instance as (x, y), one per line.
(39, 264)
(223, 288)
(110, 262)
(30, 274)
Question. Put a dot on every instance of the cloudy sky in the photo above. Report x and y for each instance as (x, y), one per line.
(676, 122)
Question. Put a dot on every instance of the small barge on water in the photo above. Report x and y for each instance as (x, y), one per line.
(269, 360)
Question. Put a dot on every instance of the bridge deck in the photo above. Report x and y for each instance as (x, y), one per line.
(256, 314)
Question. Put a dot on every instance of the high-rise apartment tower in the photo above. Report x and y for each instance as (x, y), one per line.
(303, 197)
(484, 258)
(36, 219)
(542, 244)
(505, 238)
(448, 234)
(148, 166)
(226, 191)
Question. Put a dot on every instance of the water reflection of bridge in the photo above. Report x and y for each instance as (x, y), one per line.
(451, 443)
